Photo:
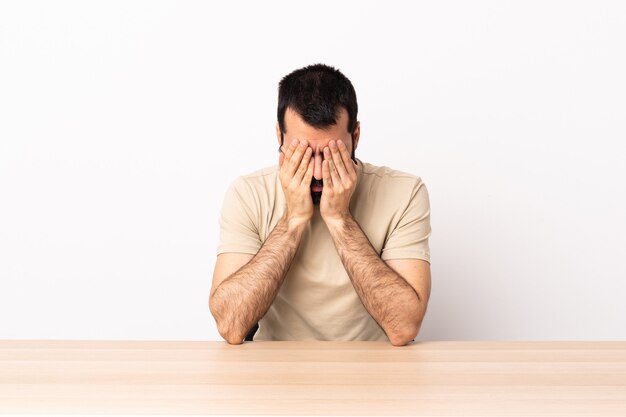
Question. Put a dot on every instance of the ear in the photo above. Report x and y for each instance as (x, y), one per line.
(278, 134)
(357, 134)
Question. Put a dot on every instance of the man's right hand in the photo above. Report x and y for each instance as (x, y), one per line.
(296, 172)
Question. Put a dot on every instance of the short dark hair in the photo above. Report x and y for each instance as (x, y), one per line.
(316, 92)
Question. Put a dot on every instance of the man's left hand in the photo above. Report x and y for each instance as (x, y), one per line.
(339, 174)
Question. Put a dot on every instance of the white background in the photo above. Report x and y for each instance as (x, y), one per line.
(123, 123)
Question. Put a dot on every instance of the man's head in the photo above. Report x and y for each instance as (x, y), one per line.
(317, 103)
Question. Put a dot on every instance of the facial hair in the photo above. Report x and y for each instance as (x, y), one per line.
(316, 195)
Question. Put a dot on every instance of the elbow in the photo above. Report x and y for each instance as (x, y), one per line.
(406, 337)
(228, 335)
(224, 329)
(235, 341)
(400, 340)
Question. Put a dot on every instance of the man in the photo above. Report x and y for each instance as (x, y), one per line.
(322, 246)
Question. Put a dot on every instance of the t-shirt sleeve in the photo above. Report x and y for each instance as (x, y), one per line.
(238, 228)
(409, 239)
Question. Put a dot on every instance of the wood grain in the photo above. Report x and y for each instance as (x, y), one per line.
(507, 378)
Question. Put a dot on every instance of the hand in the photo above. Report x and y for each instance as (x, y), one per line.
(295, 173)
(339, 174)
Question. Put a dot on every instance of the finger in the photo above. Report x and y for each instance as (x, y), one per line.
(304, 165)
(334, 175)
(328, 182)
(332, 168)
(290, 149)
(345, 156)
(296, 158)
(338, 163)
(309, 173)
(281, 158)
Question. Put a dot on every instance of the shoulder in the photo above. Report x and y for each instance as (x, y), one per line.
(393, 190)
(389, 177)
(256, 180)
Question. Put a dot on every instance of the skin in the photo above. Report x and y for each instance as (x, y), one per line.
(394, 292)
(328, 152)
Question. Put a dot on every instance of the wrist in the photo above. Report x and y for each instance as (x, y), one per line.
(295, 222)
(337, 222)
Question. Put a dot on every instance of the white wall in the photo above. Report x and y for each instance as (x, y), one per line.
(122, 124)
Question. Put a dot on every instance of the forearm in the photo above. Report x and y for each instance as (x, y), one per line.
(243, 298)
(389, 299)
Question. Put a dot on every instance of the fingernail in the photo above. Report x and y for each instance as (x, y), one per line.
(303, 143)
(294, 142)
(332, 144)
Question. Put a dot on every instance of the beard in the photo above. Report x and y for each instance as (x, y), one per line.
(316, 195)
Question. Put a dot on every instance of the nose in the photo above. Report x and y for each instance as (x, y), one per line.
(317, 166)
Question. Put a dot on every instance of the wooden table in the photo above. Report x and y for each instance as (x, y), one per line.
(313, 378)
